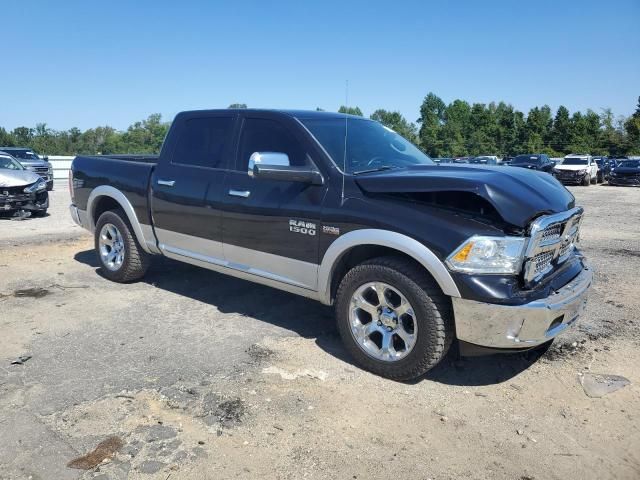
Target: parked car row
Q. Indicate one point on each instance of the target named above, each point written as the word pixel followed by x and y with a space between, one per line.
pixel 574 169
pixel 21 190
pixel 30 160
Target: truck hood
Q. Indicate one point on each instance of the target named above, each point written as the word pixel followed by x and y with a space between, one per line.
pixel 571 168
pixel 519 195
pixel 17 178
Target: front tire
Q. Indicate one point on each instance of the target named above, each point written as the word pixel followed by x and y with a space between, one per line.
pixel 393 318
pixel 586 181
pixel 119 253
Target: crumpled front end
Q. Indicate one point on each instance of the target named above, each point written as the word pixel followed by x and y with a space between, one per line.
pixel 13 199
pixel 551 255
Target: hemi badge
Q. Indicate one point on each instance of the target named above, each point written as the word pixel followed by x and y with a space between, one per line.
pixel 330 230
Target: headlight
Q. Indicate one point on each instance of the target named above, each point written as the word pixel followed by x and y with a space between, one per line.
pixel 36 187
pixel 583 171
pixel 488 255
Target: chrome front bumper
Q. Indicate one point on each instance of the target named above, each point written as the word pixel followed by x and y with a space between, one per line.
pixel 522 326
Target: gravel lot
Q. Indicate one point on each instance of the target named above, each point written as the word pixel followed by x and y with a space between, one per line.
pixel 203 376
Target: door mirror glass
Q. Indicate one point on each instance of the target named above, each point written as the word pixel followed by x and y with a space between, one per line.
pixel 267 159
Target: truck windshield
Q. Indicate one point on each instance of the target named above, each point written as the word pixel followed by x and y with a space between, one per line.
pixel 9 163
pixel 24 154
pixel 369 145
pixel 575 161
pixel 525 159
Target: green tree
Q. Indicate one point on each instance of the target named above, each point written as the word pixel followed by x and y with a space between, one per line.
pixel 452 134
pixel 350 110
pixel 6 139
pixel 432 113
pixel 396 122
pixel 238 105
pixel 22 136
pixel 561 130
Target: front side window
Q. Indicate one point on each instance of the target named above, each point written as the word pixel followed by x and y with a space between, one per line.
pixel 358 145
pixel 202 141
pixel 264 135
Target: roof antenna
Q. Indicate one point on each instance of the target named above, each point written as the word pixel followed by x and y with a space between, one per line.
pixel 344 158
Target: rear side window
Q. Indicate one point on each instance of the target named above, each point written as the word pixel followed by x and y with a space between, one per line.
pixel 263 135
pixel 202 142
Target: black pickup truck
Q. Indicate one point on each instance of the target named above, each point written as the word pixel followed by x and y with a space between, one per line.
pixel 345 211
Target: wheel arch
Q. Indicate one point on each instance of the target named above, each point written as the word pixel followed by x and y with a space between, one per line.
pixel 106 197
pixel 369 243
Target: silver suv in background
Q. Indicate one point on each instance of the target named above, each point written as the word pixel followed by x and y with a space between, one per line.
pixel 577 169
pixel 33 162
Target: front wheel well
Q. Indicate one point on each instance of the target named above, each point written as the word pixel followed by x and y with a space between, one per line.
pixel 361 253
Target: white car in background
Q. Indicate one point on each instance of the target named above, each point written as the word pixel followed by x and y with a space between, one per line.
pixel 577 169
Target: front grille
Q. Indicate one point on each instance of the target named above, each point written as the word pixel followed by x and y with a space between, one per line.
pixel 542 262
pixel 552 242
pixel 41 169
pixel 6 191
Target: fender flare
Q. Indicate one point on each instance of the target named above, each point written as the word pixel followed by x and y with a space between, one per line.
pixel 385 238
pixel 143 233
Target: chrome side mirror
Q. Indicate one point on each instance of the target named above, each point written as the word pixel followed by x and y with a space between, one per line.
pixel 267 159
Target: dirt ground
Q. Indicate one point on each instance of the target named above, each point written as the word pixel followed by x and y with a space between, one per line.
pixel 201 376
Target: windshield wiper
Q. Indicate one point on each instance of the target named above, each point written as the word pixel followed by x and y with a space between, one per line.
pixel 378 169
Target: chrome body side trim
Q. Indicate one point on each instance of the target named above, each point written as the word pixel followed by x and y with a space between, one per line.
pixel 188 245
pixel 522 326
pixel 284 269
pixel 385 238
pixel 145 236
pixel 254 264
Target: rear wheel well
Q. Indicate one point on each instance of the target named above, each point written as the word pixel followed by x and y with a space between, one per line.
pixel 104 204
pixel 361 253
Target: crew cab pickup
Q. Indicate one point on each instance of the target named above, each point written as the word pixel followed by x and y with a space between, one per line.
pixel 345 211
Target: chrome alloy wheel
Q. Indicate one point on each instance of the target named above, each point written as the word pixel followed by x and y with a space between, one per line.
pixel 111 247
pixel 382 322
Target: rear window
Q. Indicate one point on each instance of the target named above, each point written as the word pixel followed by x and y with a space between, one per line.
pixel 202 141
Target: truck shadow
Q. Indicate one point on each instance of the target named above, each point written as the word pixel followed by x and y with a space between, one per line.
pixel 306 318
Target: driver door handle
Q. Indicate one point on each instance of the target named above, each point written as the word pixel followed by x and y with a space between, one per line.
pixel 239 193
pixel 167 183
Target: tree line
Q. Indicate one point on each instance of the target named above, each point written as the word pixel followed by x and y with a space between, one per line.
pixel 456 129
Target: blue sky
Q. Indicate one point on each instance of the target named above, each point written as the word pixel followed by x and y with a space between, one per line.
pixel 89 63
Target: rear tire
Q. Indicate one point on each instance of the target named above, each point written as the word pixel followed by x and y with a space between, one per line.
pixel 120 255
pixel 431 329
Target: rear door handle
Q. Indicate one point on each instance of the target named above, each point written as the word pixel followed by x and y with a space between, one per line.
pixel 239 193
pixel 167 183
